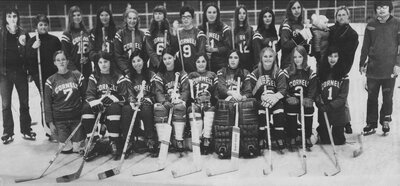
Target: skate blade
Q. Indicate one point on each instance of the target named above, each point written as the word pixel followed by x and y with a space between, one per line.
pixel 369 133
pixel 268 171
pixel 332 174
pixel 109 173
pixel 5 142
pixel 385 134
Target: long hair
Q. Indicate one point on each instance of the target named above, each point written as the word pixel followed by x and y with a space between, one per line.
pixel 145 71
pixel 218 23
pixel 205 57
pixel 292 66
pixel 239 72
pixel 289 14
pixel 237 22
pixel 109 57
pixel 177 65
pixel 71 12
pixel 154 28
pixel 126 13
pixel 9 11
pixel 325 69
pixel 274 68
pixel 261 27
pixel 111 29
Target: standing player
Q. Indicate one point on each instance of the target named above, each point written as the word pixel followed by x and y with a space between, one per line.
pixel 13 57
pixel 126 43
pixel 192 39
pixel 104 90
pixel 167 99
pixel 158 37
pixel 267 83
pixel 265 34
pixel 299 75
pixel 64 92
pixel 381 46
pixel 75 43
pixel 243 34
pixel 139 73
pixel 48 45
pixel 104 25
pixel 219 37
pixel 333 91
pixel 204 85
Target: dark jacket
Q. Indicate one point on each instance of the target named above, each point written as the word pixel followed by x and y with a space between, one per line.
pixel 21 48
pixel 345 39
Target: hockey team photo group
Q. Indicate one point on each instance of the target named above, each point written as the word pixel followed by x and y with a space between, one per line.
pixel 219 95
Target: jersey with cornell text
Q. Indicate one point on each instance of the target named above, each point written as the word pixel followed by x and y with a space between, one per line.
pixel 203 83
pixel 63 96
pixel 274 81
pixel 243 43
pixel 124 47
pixel 227 81
pixel 192 43
pixel 165 84
pixel 73 44
pixel 104 84
pixel 134 84
pixel 302 78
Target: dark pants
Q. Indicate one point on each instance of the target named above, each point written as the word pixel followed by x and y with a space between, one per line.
pixel 145 114
pixel 374 86
pixel 65 128
pixel 337 131
pixel 7 82
pixel 292 113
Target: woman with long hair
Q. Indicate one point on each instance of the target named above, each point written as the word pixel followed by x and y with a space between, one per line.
pixel 243 35
pixel 219 37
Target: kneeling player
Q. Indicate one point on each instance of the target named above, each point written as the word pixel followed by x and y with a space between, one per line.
pixel 299 75
pixel 203 87
pixel 333 91
pixel 168 96
pixel 268 85
pixel 104 90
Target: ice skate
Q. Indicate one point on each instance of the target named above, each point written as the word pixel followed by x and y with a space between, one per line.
pixel 385 128
pixel 308 144
pixel 280 145
pixel 369 129
pixel 222 153
pixel 348 129
pixel 292 147
pixel 252 152
pixel 205 148
pixel 6 138
pixel 29 136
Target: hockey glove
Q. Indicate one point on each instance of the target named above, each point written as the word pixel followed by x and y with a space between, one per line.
pixel 307 102
pixel 168 105
pixel 292 101
pixel 96 105
pixel 109 99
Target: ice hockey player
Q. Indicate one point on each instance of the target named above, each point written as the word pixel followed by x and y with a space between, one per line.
pixel 148 137
pixel 299 74
pixel 166 98
pixel 192 39
pixel 333 89
pixel 64 92
pixel 243 36
pixel 268 75
pixel 204 86
pixel 103 94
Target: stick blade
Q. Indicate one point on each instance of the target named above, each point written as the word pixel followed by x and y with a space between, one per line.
pixel 357 153
pixel 268 171
pixel 71 177
pixel 26 179
pixel 215 172
pixel 109 173
pixel 332 174
pixel 186 171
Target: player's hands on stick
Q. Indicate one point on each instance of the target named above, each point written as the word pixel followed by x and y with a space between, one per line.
pixel 307 102
pixel 292 100
pixel 36 44
pixel 84 60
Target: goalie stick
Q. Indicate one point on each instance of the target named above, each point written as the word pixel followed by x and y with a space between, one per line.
pixel 53 159
pixel 117 170
pixel 163 154
pixel 195 146
pixel 77 174
pixel 235 144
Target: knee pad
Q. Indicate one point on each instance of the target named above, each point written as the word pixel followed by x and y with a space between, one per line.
pixel 179 113
pixel 196 121
pixel 160 113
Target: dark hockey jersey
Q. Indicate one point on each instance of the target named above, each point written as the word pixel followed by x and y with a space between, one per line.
pixel 243 43
pixel 97 87
pixel 63 96
pixel 275 81
pixel 227 80
pixel 134 84
pixel 73 44
pixel 304 78
pixel 123 47
pixel 334 94
pixel 165 83
pixel 155 47
pixel 262 39
pixel 204 83
pixel 193 43
pixel 222 40
pixel 98 42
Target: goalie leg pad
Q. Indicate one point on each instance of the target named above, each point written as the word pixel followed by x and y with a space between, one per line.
pixel 222 126
pixel 208 121
pixel 249 126
pixel 198 122
pixel 179 128
pixel 160 113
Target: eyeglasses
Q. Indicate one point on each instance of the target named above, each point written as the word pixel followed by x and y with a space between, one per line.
pixel 382 7
pixel 186 17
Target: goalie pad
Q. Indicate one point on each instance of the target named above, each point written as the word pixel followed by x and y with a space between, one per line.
pixel 179 113
pixel 248 124
pixel 160 113
pixel 198 123
pixel 208 121
pixel 178 129
pixel 223 122
pixel 163 132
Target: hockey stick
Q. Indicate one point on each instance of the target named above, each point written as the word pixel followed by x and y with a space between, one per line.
pixel 235 144
pixel 195 146
pixel 180 50
pixel 77 174
pixel 81 51
pixel 105 48
pixel 117 170
pixel 54 157
pixel 269 168
pixel 233 34
pixel 163 154
pixel 328 126
pixel 359 151
pixel 303 136
pixel 208 43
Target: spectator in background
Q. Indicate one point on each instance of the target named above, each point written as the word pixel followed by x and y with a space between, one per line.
pixel 380 46
pixel 13 71
pixel 48 45
pixel 345 38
